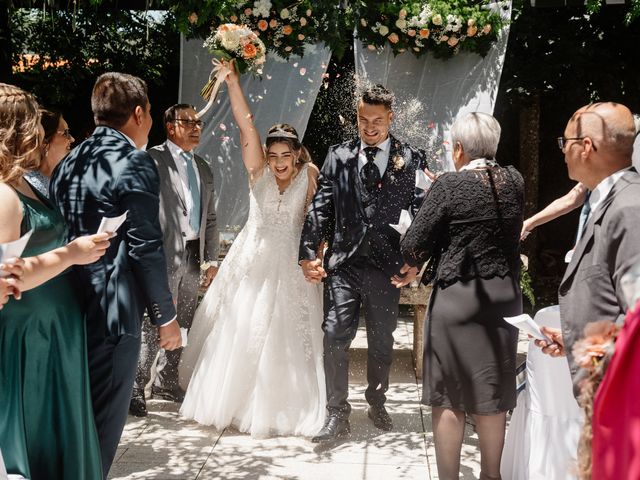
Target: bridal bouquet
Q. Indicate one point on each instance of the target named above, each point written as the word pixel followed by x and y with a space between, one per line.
pixel 231 42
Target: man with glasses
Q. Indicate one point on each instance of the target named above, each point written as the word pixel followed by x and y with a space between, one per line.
pixel 598 145
pixel 188 219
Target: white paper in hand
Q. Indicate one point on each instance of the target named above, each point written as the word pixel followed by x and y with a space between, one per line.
pixel 403 222
pixel 112 224
pixel 423 181
pixel 525 323
pixel 183 335
pixel 11 250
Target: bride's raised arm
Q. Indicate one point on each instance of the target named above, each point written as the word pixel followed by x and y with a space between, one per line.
pixel 252 152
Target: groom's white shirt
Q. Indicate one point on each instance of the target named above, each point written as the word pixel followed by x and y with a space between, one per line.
pixel 382 157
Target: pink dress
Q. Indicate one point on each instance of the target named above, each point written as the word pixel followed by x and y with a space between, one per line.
pixel 616 409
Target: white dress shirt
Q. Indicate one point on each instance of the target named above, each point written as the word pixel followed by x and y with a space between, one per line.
pixel 382 156
pixel 603 189
pixel 181 164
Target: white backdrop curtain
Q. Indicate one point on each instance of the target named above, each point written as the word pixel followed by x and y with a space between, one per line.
pixel 285 94
pixel 431 93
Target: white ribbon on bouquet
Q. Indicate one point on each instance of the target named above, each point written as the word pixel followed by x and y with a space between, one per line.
pixel 216 77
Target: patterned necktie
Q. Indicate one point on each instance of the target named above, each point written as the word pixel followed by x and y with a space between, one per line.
pixel 370 174
pixel 194 191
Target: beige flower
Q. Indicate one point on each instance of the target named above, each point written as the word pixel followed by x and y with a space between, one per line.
pixel 284 13
pixel 363 22
pixel 193 18
pixel 383 30
pixel 402 13
pixel 303 21
pixel 393 38
pixel 437 19
pixel 472 30
pixel 471 22
pixel 300 37
pixel 398 162
pixel 411 32
pixel 487 29
pixel 273 23
pixel 401 23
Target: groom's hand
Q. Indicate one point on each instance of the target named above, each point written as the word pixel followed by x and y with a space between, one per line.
pixel 312 270
pixel 407 275
pixel 169 336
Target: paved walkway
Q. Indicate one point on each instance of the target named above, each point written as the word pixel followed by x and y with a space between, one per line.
pixel 163 446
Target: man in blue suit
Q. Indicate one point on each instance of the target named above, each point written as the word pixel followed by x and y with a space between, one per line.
pixel 105 176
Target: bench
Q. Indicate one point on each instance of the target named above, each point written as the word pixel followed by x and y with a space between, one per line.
pixel 418 298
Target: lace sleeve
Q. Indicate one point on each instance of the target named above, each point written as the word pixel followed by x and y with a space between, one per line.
pixel 429 225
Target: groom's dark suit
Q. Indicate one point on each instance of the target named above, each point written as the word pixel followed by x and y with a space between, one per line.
pixel 106 176
pixel 363 254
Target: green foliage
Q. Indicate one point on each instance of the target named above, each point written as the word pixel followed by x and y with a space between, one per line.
pixel 441 27
pixel 526 285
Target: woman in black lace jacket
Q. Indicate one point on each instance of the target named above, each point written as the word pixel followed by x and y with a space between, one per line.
pixel 471 219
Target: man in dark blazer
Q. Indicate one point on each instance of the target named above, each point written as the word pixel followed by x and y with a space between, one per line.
pixel 363 187
pixel 597 145
pixel 191 242
pixel 107 175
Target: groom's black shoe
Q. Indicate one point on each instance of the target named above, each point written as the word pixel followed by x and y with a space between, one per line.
pixel 173 395
pixel 333 428
pixel 138 405
pixel 380 417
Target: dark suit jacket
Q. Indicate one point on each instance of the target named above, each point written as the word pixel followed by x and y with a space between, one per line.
pixel 106 176
pixel 337 212
pixel 174 218
pixel 590 290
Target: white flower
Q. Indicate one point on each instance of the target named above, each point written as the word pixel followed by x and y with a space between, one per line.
pixel 363 22
pixel 402 14
pixel 262 8
pixel 231 39
pixel 401 23
pixel 284 14
pixel 384 30
pixel 437 19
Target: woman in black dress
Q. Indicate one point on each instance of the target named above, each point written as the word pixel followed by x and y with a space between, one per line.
pixel 471 219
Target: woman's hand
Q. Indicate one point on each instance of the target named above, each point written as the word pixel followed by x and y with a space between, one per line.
pixel 10 285
pixel 88 249
pixel 233 76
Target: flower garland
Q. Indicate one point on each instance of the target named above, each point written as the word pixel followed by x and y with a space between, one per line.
pixel 442 27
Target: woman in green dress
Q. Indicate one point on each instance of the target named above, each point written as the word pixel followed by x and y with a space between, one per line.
pixel 47 430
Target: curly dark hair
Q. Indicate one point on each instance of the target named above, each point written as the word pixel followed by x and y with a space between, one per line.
pixel 378 95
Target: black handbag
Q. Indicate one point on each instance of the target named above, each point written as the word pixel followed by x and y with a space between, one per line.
pixel 430 269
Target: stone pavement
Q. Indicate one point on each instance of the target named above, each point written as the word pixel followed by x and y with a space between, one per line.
pixel 163 446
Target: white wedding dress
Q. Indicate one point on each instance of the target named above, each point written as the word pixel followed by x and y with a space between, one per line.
pixel 254 353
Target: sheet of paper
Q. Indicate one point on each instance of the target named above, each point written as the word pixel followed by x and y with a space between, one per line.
pixel 422 180
pixel 403 222
pixel 525 323
pixel 569 255
pixel 13 249
pixel 183 335
pixel 112 224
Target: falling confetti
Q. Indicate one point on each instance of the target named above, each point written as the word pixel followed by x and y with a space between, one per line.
pixel 431 125
pixel 223 127
pixel 303 71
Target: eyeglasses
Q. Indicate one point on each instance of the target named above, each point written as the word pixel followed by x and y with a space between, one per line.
pixel 191 123
pixel 562 142
pixel 65 133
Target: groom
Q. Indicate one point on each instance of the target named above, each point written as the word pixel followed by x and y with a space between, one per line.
pixel 363 186
pixel 107 175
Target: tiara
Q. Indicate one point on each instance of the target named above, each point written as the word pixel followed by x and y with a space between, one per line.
pixel 281 133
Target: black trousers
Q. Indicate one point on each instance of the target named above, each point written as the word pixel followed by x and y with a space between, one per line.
pixel 112 370
pixel 187 298
pixel 347 288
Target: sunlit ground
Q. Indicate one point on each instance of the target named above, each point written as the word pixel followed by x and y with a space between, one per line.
pixel 163 446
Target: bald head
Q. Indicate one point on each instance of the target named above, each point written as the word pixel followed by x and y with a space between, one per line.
pixel 610 125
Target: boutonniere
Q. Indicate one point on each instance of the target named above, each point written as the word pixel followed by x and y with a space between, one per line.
pixel 398 162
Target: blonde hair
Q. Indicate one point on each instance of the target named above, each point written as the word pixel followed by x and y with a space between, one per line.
pixel 19 133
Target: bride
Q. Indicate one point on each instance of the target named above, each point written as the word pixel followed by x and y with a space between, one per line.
pixel 254 354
